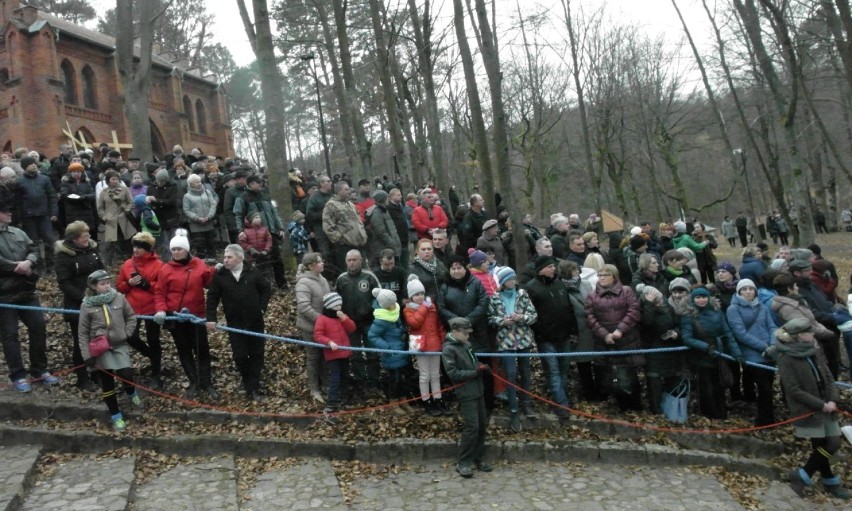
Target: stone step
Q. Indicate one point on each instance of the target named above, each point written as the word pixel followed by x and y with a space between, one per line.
pixel 197 486
pixel 17 469
pixel 309 485
pixel 84 485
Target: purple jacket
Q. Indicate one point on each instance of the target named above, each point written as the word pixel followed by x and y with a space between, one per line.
pixel 608 309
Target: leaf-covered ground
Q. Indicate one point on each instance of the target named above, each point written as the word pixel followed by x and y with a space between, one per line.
pixel 283 379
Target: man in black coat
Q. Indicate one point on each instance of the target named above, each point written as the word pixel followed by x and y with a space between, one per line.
pixel 554 328
pixel 822 309
pixel 397 214
pixel 244 294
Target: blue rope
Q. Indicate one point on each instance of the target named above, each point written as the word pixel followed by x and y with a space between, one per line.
pixel 187 317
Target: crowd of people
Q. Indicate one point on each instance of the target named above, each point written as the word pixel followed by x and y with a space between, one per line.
pixel 422 274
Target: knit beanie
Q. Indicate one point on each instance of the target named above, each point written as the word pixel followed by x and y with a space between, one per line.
pixel 180 240
pixel 699 291
pixel 637 242
pixel 331 300
pixel 380 196
pixel 384 297
pixel 679 282
pixel 163 175
pixel 140 201
pixel 476 257
pixel 415 286
pixel 543 262
pixel 728 267
pixel 777 264
pixel 26 162
pixel 635 231
pixel 745 283
pixel 505 274
pixel 680 226
pixel 652 292
pixel 76 167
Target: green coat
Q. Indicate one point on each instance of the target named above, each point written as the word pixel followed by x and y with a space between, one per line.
pixel 460 365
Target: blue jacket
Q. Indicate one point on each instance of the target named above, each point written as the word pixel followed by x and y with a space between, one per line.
pixel 712 328
pixel 752 269
pixel 36 196
pixel 765 296
pixel 752 326
pixel 388 335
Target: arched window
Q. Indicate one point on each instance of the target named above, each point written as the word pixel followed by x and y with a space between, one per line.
pixel 202 117
pixel 90 91
pixel 187 109
pixel 4 77
pixel 70 82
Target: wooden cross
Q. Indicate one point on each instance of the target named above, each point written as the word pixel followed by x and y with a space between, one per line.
pixel 118 146
pixel 75 142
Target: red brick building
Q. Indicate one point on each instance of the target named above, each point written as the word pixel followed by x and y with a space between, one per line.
pixel 53 71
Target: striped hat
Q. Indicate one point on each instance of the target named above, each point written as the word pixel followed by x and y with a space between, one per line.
pixel 331 300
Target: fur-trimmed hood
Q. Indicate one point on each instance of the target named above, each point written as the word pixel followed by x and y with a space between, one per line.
pixel 68 248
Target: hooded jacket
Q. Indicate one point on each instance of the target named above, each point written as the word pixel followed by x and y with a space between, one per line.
pixel 519 335
pixel 73 265
pixel 752 326
pixel 386 333
pixel 198 204
pixel 806 380
pixel 327 329
pixel 703 328
pixel 460 364
pixel 341 223
pixel 466 298
pixel 382 231
pixel 36 195
pixel 424 321
pixel 140 297
pixel 310 288
pixel 83 207
pixel 182 286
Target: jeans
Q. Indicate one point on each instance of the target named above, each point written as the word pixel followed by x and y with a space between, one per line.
pixel 337 374
pixel 556 372
pixel 193 350
pixel 517 369
pixel 37 330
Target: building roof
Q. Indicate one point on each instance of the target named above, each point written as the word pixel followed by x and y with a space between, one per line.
pixel 63 27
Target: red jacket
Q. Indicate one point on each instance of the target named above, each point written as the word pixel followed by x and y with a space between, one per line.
pixel 328 329
pixel 255 237
pixel 182 285
pixel 141 299
pixel 487 280
pixel 424 321
pixel 363 206
pixel 422 222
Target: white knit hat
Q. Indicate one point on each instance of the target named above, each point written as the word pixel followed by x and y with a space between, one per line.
pixel 180 240
pixel 414 285
pixel 384 297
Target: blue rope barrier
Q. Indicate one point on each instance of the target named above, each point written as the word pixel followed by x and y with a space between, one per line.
pixel 184 316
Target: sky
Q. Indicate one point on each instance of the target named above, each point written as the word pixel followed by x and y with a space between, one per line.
pixel 655 16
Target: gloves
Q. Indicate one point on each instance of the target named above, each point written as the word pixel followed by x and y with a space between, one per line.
pixel 90 362
pixel 253 251
pixel 160 318
pixel 483 368
pixel 711 350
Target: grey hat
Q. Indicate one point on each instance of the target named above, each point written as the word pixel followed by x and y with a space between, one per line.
pixel 797 326
pixel 163 175
pixel 461 325
pixel 488 224
pixel 331 300
pixel 745 283
pixel 380 196
pixel 799 265
pixel 681 283
pixel 97 276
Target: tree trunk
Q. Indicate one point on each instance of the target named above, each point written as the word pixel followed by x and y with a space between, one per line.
pixel 343 109
pixel 423 44
pixel 384 68
pixel 136 78
pixel 597 179
pixel 786 107
pixel 273 108
pixel 361 144
pixel 491 60
pixel 475 104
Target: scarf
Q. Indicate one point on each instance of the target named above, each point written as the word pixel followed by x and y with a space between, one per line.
pixel 386 315
pixel 508 298
pixel 330 313
pixel 676 273
pixel 101 299
pixel 430 266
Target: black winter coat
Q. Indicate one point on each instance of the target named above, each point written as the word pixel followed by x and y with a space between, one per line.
pixel 460 364
pixel 82 208
pixel 244 301
pixel 165 204
pixel 466 298
pixel 556 319
pixel 357 294
pixel 73 265
pixel 398 216
pixel 432 282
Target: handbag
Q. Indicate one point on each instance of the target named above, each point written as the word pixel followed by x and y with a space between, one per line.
pixel 675 403
pixel 414 343
pixel 100 344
